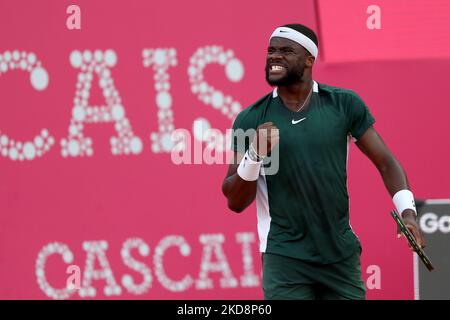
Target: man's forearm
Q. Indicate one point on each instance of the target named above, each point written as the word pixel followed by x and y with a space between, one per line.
pixel 240 193
pixel 394 177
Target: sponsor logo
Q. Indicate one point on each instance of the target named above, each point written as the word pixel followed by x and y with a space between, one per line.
pixel 431 223
pixel 297 121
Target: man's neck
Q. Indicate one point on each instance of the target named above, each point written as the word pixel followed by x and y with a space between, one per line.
pixel 295 95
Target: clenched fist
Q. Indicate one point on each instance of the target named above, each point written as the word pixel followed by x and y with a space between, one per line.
pixel 266 138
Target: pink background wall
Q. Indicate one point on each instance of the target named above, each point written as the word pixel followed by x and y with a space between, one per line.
pixel 112 198
pixel 408 29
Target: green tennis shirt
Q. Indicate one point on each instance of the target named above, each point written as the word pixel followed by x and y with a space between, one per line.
pixel 303 209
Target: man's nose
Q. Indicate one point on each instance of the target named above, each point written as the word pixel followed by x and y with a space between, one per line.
pixel 276 56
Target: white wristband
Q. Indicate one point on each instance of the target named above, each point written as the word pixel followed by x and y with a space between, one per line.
pixel 249 169
pixel 404 199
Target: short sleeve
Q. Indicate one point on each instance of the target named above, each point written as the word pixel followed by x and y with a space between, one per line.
pixel 359 115
pixel 241 136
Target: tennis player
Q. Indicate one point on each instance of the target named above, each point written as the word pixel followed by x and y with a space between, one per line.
pixel 309 249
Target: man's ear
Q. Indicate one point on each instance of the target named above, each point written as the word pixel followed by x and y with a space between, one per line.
pixel 310 61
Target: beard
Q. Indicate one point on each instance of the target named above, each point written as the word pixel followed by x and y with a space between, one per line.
pixel 292 76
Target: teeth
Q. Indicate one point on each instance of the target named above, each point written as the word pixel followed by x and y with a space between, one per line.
pixel 278 68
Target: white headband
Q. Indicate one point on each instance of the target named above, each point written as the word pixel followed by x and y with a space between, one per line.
pixel 300 38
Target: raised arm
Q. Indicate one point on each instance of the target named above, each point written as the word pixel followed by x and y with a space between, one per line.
pixel 239 192
pixel 239 185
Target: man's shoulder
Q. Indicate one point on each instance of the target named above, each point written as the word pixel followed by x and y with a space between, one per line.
pixel 252 115
pixel 336 90
pixel 256 108
pixel 345 95
pixel 260 103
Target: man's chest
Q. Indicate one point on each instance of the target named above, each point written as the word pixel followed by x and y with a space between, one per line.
pixel 322 127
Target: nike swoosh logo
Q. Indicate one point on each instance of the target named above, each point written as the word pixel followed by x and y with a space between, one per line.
pixel 283 31
pixel 297 121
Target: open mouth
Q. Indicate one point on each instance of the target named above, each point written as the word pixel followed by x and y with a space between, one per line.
pixel 276 68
